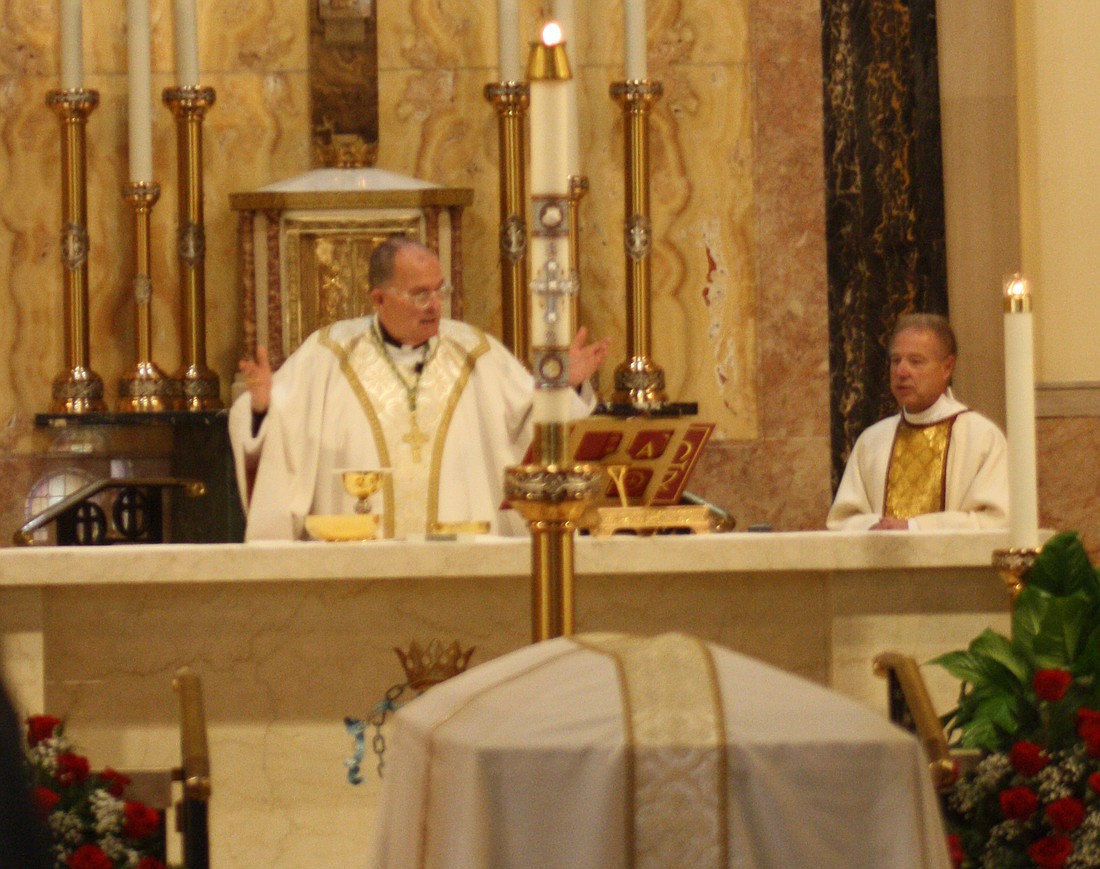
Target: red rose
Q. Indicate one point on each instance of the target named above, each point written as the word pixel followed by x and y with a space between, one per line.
pixel 954 849
pixel 1094 782
pixel 1017 804
pixel 40 727
pixel 1088 728
pixel 139 821
pixel 1066 814
pixel 1051 852
pixel 114 781
pixel 1051 685
pixel 45 800
pixel 90 857
pixel 1027 758
pixel 72 769
pixel 149 863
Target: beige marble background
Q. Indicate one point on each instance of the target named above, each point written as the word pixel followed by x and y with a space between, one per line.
pixel 738 294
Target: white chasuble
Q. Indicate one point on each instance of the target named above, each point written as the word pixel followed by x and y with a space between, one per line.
pixel 336 404
pixel 970 489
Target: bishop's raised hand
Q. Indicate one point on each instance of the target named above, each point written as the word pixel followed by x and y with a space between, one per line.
pixel 257 377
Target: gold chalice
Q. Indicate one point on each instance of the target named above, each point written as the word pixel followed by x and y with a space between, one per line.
pixel 361 485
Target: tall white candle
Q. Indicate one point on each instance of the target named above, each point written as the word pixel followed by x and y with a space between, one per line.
pixel 549 124
pixel 634 37
pixel 141 91
pixel 549 115
pixel 565 15
pixel 1023 501
pixel 508 51
pixel 187 45
pixel 72 45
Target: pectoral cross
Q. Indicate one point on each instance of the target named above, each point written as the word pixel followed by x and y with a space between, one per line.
pixel 415 438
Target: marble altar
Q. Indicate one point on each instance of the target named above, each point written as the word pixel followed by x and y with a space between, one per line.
pixel 291 637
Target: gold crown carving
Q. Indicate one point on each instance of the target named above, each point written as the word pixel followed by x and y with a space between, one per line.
pixel 435 664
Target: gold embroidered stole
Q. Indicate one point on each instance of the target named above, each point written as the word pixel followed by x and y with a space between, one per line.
pixel 410 494
pixel 916 479
pixel 676 749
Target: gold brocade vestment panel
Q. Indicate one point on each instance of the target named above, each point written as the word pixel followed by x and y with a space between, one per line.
pixel 916 482
pixel 411 492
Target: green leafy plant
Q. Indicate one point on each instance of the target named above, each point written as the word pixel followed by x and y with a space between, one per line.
pixel 1031 703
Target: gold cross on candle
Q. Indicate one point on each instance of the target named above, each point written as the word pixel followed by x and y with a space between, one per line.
pixel 415 438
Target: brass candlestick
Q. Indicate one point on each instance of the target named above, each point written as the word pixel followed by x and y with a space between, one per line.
pixel 77 389
pixel 639 381
pixel 200 389
pixel 511 99
pixel 552 498
pixel 144 388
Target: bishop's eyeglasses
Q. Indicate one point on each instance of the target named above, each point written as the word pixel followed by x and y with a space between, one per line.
pixel 423 298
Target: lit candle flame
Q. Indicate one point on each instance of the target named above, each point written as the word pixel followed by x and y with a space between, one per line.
pixel 552 34
pixel 1016 287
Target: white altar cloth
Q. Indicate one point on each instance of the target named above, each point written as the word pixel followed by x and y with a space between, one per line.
pixel 522 762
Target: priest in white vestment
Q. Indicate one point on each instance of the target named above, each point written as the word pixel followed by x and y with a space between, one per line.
pixel 935 465
pixel 442 404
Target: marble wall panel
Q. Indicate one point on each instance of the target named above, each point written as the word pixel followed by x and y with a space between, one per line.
pixel 1068 455
pixel 782 484
pixel 792 314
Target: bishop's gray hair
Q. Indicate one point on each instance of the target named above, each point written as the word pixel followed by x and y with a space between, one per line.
pixel 382 257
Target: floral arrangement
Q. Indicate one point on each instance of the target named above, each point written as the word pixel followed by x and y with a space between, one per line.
pixel 90 823
pixel 1031 704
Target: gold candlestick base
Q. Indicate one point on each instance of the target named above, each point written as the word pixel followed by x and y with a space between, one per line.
pixel 199 388
pixel 640 383
pixel 1014 565
pixel 147 389
pixel 78 390
pixel 552 498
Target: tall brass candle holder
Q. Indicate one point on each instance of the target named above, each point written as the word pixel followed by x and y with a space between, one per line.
pixel 550 494
pixel 200 387
pixel 639 381
pixel 77 389
pixel 144 388
pixel 511 99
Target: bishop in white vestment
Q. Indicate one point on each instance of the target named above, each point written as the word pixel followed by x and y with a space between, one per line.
pixel 935 465
pixel 443 405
